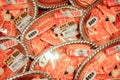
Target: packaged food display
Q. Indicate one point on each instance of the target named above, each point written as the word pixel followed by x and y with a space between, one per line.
pixel 103 64
pixel 52 28
pixel 13 57
pixel 15 15
pixel 59 39
pixel 102 21
pixel 62 61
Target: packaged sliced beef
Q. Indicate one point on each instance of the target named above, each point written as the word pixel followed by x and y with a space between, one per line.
pixel 13 57
pixel 52 28
pixel 101 24
pixel 62 61
pixel 103 64
pixel 15 15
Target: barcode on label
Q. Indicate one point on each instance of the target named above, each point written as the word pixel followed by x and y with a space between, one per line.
pixel 16 61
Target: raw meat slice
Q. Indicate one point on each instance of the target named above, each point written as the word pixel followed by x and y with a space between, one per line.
pixel 62 61
pixel 45 25
pixel 50 38
pixel 10 27
pixel 101 66
pixel 38 45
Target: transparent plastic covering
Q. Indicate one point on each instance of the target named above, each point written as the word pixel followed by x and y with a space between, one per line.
pixel 15 15
pixel 52 28
pixel 62 61
pixel 101 23
pixel 13 57
pixel 103 64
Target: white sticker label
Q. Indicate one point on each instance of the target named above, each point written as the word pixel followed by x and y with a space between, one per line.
pixel 43 60
pixel 8 44
pixel 16 1
pixel 90 76
pixel 91 22
pixel 67 30
pixel 32 34
pixel 16 61
pixel 24 23
pixel 71 31
pixel 81 52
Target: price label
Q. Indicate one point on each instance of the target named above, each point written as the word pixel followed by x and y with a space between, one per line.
pixel 22 21
pixel 8 44
pixel 16 61
pixel 67 30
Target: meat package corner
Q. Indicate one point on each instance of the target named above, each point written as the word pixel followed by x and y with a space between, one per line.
pixel 59 39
